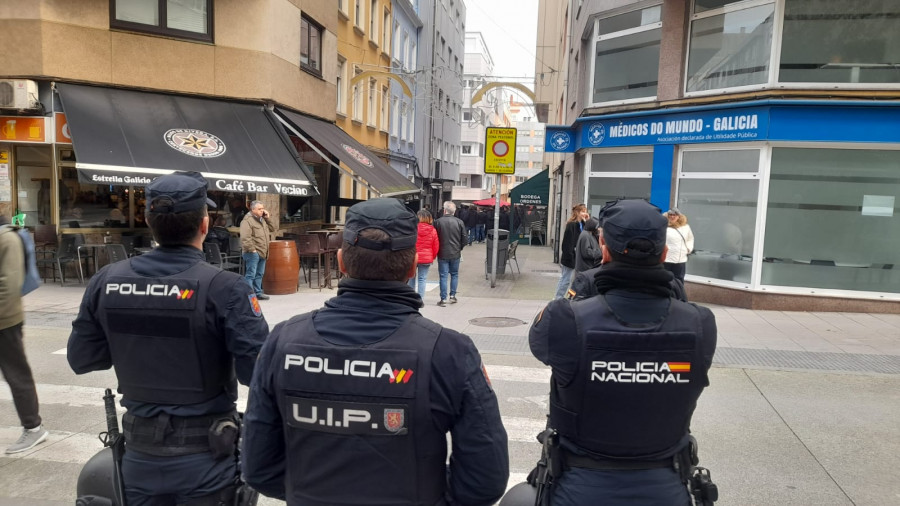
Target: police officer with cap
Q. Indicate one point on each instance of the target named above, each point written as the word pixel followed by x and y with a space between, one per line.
pixel 628 366
pixel 179 332
pixel 351 404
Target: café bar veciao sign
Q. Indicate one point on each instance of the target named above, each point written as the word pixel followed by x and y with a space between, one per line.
pixel 216 182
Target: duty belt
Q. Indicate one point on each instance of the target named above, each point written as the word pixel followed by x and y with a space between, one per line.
pixel 585 462
pixel 168 436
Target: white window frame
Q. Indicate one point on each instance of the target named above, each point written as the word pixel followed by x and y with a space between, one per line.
pixel 359 15
pixel 395 116
pixel 385 105
pixel 341 82
pixel 385 31
pixel 344 8
pixel 373 22
pixel 595 38
pixel 373 98
pixel 357 97
pixel 762 178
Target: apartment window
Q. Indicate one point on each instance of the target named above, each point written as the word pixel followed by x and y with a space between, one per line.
pixel 373 21
pixel 730 46
pixel 412 56
pixel 357 97
pixel 370 120
pixel 443 47
pixel 854 42
pixel 183 19
pixel 467 116
pixel 412 125
pixel 404 131
pixel 343 6
pixel 341 86
pixel 310 45
pixel 626 56
pixel 440 100
pixel 359 16
pixel 396 50
pixel 395 117
pixel 386 33
pixel 467 149
pixel 385 101
pixel 404 50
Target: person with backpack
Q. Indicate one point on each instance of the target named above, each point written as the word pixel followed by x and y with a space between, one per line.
pixel 13 362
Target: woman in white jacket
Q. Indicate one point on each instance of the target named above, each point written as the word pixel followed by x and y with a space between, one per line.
pixel 680 241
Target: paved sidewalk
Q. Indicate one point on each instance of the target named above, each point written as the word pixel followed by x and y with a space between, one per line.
pixel 498 318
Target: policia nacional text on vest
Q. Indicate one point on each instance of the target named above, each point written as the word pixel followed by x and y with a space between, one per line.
pixel 598 413
pixel 164 354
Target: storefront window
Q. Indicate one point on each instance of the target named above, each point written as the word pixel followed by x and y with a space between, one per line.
pixel 626 63
pixel 730 48
pixel 85 205
pixel 618 176
pixel 718 191
pixel 33 188
pixel 832 220
pixel 855 41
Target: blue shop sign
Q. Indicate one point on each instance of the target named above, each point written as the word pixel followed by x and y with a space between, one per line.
pixel 810 121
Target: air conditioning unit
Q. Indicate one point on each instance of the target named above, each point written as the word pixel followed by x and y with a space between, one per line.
pixel 18 94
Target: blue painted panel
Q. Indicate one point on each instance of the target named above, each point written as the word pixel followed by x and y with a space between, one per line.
pixel 661 185
pixel 835 124
pixel 559 140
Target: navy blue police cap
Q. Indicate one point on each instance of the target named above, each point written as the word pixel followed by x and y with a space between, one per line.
pixel 623 221
pixel 177 192
pixel 386 214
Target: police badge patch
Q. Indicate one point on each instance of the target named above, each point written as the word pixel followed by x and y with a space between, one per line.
pixel 393 419
pixel 254 304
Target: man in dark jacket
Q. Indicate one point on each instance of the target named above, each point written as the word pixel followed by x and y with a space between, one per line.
pixel 628 366
pixel 453 238
pixel 351 404
pixel 180 334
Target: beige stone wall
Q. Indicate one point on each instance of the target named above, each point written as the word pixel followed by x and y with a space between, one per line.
pixel 255 56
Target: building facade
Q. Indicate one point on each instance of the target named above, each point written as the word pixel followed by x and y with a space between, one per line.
pixel 478 67
pixel 439 99
pixel 404 64
pixel 782 153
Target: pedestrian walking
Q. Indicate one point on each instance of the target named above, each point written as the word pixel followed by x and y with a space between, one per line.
pixel 587 250
pixel 453 238
pixel 427 247
pixel 13 362
pixel 574 226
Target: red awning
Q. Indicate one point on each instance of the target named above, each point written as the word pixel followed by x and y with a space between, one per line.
pixel 490 202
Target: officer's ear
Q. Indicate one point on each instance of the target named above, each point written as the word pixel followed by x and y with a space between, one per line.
pixel 607 258
pixel 412 268
pixel 204 226
pixel 340 258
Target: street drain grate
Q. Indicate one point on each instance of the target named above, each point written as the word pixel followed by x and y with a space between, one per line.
pixel 496 322
pixel 822 361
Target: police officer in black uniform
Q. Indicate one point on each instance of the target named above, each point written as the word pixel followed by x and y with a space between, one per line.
pixel 351 404
pixel 178 331
pixel 628 366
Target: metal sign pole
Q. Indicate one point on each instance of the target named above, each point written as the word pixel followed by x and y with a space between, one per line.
pixel 496 235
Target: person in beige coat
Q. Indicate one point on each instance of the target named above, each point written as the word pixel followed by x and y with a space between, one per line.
pixel 13 363
pixel 257 231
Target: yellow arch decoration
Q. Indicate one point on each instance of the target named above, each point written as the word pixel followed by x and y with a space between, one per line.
pixel 490 86
pixel 382 73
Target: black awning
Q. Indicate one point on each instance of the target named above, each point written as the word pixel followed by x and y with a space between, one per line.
pixel 378 175
pixel 125 137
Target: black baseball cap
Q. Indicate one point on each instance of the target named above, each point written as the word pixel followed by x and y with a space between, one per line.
pixel 177 192
pixel 386 214
pixel 623 221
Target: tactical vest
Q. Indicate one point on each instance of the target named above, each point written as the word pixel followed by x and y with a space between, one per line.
pixel 635 386
pixel 161 348
pixel 359 428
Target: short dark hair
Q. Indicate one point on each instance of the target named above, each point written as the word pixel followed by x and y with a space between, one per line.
pixel 377 265
pixel 640 245
pixel 175 229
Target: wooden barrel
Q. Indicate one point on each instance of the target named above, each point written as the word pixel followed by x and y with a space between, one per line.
pixel 282 268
